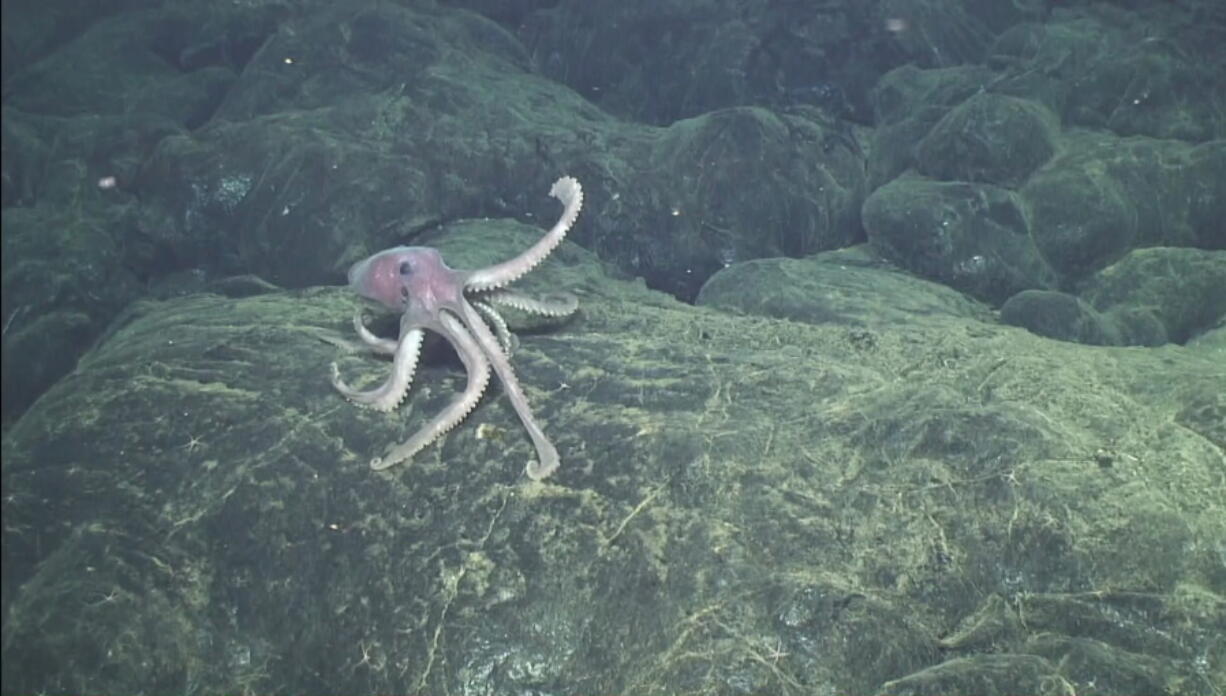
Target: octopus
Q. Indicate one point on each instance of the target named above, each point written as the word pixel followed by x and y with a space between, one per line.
pixel 460 305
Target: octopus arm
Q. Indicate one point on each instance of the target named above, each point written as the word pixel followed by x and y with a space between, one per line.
pixel 384 346
pixel 387 396
pixel 547 455
pixel 559 304
pixel 478 376
pixel 505 337
pixel 570 193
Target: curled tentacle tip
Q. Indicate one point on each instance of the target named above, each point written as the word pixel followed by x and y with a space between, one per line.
pixel 565 187
pixel 538 470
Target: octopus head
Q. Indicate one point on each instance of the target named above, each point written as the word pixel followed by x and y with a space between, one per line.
pixel 405 277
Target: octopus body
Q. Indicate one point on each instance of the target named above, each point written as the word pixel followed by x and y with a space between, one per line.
pixel 459 305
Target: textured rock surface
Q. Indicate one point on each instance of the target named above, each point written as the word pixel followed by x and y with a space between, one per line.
pixel 905 502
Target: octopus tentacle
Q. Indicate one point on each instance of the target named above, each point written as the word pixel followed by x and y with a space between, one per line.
pixel 478 376
pixel 386 346
pixel 558 304
pixel 505 337
pixel 570 193
pixel 547 454
pixel 388 395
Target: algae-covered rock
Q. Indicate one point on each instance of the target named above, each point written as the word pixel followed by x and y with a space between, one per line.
pixel 744 502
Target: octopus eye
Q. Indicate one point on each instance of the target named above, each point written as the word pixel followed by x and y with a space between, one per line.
pixel 405 268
